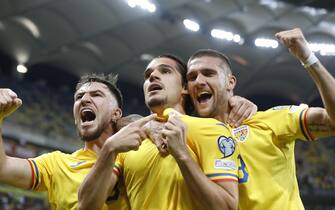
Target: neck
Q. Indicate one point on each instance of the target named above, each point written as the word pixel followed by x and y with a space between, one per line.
pixel 97 144
pixel 160 109
pixel 222 113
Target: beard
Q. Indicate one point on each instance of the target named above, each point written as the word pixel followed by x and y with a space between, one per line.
pixel 152 103
pixel 93 135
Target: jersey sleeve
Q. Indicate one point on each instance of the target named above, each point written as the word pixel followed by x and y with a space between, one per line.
pixel 118 166
pixel 41 170
pixel 216 150
pixel 289 122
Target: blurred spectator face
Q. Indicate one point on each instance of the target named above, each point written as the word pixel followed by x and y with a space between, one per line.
pixel 95 110
pixel 208 85
pixel 163 83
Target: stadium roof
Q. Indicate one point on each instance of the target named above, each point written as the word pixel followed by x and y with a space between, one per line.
pixel 121 36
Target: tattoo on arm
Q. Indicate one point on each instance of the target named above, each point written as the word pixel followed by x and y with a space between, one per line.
pixel 315 127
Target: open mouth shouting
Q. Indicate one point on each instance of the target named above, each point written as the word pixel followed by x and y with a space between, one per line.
pixel 204 97
pixel 87 116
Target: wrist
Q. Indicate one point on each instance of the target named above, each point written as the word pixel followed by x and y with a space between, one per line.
pixel 182 156
pixel 312 59
pixel 109 151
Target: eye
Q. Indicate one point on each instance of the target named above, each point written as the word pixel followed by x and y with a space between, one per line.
pixel 78 96
pixel 147 74
pixel 209 73
pixel 191 77
pixel 165 70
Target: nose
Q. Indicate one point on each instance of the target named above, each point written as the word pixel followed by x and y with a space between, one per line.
pixel 85 99
pixel 155 75
pixel 200 80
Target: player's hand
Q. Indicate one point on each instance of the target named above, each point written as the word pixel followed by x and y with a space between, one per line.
pixel 129 137
pixel 9 102
pixel 174 136
pixel 154 131
pixel 295 42
pixel 241 109
pixel 124 121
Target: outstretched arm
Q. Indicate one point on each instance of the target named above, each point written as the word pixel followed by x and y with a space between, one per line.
pixel 321 122
pixel 13 171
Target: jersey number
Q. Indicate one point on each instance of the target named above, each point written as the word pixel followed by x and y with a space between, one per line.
pixel 243 174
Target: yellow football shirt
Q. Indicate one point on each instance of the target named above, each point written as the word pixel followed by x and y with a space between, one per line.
pixel 267 165
pixel 154 182
pixel 61 175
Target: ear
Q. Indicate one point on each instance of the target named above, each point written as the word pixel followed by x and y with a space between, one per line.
pixel 231 83
pixel 116 114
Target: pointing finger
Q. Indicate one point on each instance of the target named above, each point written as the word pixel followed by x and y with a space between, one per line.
pixel 141 122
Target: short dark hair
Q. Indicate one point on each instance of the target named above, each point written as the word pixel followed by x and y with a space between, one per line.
pixel 181 65
pixel 109 80
pixel 212 53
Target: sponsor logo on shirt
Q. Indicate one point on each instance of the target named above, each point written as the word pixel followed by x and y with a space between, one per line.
pixel 226 146
pixel 224 164
pixel 241 133
pixel 77 164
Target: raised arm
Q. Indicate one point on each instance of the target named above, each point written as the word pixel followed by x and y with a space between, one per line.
pixel 13 171
pixel 321 122
pixel 219 195
pixel 100 182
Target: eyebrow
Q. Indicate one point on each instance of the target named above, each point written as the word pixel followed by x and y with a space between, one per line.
pixel 160 66
pixel 92 91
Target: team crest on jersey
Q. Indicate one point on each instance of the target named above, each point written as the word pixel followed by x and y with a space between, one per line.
pixel 226 146
pixel 241 133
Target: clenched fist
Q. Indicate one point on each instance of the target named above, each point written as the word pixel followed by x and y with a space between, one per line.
pixel 9 102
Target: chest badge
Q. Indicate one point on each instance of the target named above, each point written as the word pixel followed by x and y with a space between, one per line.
pixel 241 133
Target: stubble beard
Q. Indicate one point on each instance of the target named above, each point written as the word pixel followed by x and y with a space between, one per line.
pixel 92 136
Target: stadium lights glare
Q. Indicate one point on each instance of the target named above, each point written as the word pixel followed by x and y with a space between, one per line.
pixel 226 35
pixel 143 4
pixel 323 48
pixel 21 69
pixel 267 43
pixel 191 25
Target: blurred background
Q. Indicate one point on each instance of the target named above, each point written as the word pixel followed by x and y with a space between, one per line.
pixel 46 45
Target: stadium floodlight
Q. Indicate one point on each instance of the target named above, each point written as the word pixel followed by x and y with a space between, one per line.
pixel 267 43
pixel 143 4
pixel 323 48
pixel 191 25
pixel 21 69
pixel 226 35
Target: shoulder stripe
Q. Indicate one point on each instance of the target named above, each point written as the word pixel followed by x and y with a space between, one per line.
pixel 222 175
pixel 32 175
pixel 303 124
pixel 37 174
pixel 306 126
pixel 225 180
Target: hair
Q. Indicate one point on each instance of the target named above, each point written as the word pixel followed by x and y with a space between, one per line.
pixel 109 80
pixel 215 54
pixel 181 65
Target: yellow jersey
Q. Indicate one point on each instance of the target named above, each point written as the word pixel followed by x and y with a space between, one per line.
pixel 61 175
pixel 267 165
pixel 154 182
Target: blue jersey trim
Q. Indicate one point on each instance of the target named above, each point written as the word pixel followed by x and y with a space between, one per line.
pixel 222 174
pixel 37 174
